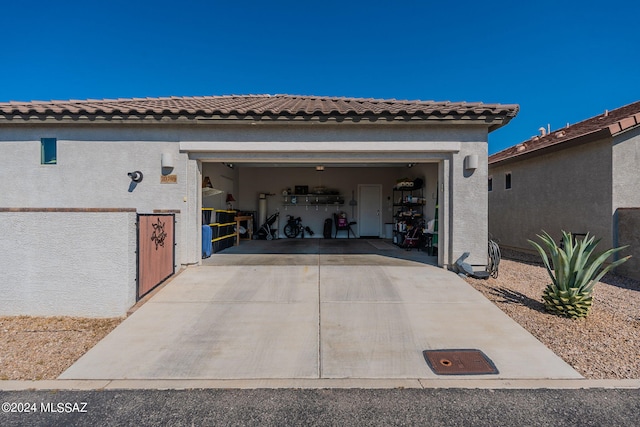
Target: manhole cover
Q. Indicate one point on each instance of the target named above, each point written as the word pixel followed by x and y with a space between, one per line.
pixel 459 362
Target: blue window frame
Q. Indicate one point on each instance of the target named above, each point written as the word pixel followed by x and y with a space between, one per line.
pixel 48 151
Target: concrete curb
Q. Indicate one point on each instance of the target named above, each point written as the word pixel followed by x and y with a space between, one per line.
pixel 343 383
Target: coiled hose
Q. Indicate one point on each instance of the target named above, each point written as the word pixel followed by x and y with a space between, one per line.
pixel 494 259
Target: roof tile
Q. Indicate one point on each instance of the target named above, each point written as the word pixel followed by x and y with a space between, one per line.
pixel 615 121
pixel 615 128
pixel 290 106
pixel 628 122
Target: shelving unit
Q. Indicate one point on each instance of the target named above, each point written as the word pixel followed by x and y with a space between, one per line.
pixel 312 200
pixel 222 223
pixel 408 211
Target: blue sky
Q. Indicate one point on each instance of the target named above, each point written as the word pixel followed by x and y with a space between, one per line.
pixel 561 61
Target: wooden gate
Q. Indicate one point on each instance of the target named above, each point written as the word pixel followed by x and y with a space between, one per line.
pixel 156 250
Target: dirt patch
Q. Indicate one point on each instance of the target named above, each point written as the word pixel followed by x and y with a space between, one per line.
pixel 41 348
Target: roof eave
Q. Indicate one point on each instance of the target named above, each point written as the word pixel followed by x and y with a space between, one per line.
pixel 560 145
pixel 501 121
pixel 490 121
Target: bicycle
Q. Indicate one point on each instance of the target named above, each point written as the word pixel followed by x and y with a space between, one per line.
pixel 294 227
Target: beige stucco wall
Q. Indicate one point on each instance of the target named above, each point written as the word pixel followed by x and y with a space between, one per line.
pixel 93 162
pixel 566 190
pixel 469 205
pixel 626 199
pixel 628 234
pixel 78 263
pixel 91 172
pixel 626 170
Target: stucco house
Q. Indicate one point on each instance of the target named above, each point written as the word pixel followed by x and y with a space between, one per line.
pixel 581 178
pixel 81 181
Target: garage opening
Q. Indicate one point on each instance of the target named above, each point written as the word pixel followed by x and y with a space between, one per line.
pixel 357 208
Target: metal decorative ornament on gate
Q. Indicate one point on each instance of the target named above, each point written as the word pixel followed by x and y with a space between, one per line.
pixel 159 234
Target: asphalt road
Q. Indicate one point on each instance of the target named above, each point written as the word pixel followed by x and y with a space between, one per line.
pixel 311 407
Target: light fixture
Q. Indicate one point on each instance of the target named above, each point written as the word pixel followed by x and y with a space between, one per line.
pixel 410 165
pixel 471 162
pixel 166 161
pixel 229 165
pixel 135 176
pixel 320 168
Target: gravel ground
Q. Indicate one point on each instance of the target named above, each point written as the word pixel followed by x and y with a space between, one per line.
pixel 41 348
pixel 602 346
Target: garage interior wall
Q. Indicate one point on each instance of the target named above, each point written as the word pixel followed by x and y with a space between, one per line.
pixel 247 182
pixel 222 178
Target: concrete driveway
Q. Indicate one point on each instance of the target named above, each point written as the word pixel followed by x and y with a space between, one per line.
pixel 329 314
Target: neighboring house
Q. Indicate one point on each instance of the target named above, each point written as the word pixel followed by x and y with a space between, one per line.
pixel 71 200
pixel 582 178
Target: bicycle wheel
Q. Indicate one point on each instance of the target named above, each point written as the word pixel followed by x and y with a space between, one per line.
pixel 291 230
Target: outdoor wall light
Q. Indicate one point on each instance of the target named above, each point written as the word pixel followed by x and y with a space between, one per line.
pixel 319 168
pixel 167 160
pixel 471 162
pixel 135 176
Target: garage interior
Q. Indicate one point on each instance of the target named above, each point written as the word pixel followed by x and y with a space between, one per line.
pixel 369 196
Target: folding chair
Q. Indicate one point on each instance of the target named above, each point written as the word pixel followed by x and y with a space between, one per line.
pixel 343 224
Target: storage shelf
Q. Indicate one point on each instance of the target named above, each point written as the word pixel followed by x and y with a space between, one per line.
pixel 407 215
pixel 217 239
pixel 218 224
pixel 408 205
pixel 224 223
pixel 314 199
pixel 313 204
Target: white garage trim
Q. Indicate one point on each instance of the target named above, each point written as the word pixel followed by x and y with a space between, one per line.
pixel 325 147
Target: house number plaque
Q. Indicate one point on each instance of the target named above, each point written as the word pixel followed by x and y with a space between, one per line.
pixel 168 179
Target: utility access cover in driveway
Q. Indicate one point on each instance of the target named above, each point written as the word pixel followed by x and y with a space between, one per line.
pixel 459 362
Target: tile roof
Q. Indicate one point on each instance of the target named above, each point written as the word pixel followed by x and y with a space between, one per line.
pixel 256 107
pixel 609 123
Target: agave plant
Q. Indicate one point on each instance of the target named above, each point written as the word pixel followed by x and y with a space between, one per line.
pixel 574 270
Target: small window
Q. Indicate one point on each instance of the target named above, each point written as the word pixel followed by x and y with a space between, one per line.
pixel 507 180
pixel 48 151
pixel 490 183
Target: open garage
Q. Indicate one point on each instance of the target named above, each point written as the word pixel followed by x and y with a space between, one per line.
pixel 103 161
